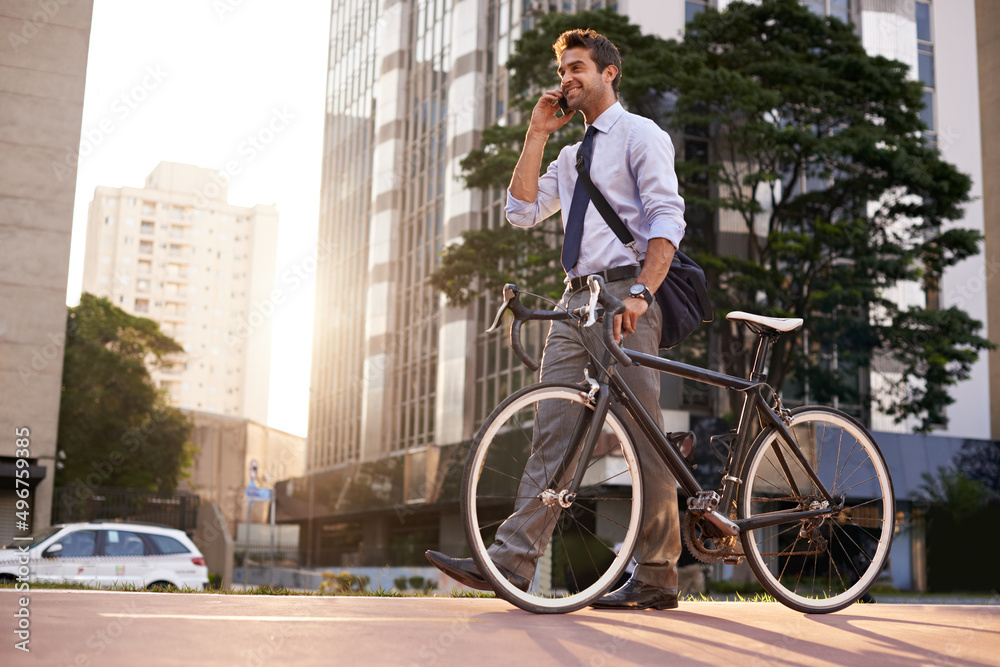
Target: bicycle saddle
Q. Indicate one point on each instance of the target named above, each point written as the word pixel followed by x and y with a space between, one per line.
pixel 780 324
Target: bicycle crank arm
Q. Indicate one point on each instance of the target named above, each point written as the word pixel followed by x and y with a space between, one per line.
pixel 722 523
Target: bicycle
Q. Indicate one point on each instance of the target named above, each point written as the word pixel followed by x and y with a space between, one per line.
pixel 804 494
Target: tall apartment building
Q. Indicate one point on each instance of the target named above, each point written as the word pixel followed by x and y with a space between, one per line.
pixel 177 252
pixel 400 379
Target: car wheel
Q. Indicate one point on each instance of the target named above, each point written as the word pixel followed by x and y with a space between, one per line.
pixel 161 586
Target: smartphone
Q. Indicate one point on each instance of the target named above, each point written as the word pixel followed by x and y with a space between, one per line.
pixel 563 104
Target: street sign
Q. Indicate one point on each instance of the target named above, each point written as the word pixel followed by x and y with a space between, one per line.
pixel 254 492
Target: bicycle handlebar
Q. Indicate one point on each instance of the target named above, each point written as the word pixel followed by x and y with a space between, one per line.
pixel 599 299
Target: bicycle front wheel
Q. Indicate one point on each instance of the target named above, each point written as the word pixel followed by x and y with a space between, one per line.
pixel 570 549
pixel 825 563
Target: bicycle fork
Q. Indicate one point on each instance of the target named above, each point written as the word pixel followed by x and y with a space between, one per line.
pixel 582 442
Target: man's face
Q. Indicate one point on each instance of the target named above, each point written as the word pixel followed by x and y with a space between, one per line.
pixel 582 83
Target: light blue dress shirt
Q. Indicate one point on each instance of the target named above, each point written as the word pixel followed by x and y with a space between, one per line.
pixel 633 166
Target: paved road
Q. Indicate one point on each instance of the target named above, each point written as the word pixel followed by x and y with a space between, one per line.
pixel 105 628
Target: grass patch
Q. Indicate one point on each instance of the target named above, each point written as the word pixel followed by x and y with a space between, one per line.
pixel 469 593
pixel 727 597
pixel 730 588
pixel 76 586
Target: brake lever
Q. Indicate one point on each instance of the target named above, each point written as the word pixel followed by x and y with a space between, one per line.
pixel 594 283
pixel 510 292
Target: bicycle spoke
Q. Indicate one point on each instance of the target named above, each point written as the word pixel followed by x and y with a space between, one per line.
pixel 822 563
pixel 510 457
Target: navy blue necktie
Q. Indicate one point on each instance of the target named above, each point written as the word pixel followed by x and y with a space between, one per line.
pixel 578 207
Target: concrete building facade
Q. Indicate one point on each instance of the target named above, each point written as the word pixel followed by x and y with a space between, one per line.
pixel 225 447
pixel 43 66
pixel 175 251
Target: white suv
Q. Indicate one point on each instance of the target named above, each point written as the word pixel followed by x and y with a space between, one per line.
pixel 104 554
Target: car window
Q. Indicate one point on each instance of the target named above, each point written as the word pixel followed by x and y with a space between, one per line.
pixel 34 538
pixel 78 544
pixel 123 543
pixel 168 545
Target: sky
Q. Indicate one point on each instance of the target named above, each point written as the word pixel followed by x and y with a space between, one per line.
pixel 190 81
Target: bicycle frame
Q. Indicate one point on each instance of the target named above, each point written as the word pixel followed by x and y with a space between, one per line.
pixel 611 384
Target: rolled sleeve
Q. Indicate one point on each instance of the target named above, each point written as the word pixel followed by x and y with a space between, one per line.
pixel 652 160
pixel 528 214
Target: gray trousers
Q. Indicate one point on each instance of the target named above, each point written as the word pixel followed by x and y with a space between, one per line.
pixel 522 538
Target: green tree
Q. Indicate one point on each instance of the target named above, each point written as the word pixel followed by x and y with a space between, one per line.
pixel 952 492
pixel 810 156
pixel 115 427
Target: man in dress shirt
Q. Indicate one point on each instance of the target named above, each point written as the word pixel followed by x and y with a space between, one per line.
pixel 633 167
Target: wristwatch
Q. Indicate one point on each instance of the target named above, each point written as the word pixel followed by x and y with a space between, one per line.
pixel 639 291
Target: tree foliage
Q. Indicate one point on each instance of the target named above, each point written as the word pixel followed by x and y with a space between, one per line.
pixel 115 427
pixel 952 492
pixel 817 158
pixel 812 192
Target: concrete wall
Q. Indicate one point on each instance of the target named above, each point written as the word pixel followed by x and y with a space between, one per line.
pixel 43 65
pixel 988 39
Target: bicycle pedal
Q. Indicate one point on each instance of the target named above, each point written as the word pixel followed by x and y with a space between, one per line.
pixel 732 560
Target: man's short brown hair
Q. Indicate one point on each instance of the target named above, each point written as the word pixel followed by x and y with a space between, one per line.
pixel 602 51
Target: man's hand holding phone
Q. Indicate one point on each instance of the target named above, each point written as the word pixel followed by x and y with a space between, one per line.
pixel 545 118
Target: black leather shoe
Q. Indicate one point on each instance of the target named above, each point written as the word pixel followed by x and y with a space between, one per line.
pixel 465 572
pixel 637 595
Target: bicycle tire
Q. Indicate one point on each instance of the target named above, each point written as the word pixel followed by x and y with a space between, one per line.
pixel 826 564
pixel 591 541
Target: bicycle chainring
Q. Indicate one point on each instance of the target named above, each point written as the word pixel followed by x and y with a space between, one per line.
pixel 706 542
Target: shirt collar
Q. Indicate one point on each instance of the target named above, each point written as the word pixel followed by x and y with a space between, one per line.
pixel 609 117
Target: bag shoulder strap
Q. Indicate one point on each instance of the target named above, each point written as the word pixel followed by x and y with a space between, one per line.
pixel 605 209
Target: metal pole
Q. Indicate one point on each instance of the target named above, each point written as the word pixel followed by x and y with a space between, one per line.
pixel 274 500
pixel 246 541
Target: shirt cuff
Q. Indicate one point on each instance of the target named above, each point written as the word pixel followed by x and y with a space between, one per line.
pixel 667 229
pixel 520 213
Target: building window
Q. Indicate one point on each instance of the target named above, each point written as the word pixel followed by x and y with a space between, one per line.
pixel 142 305
pixel 925 67
pixel 838 9
pixel 692 8
pixel 147 228
pixel 146 247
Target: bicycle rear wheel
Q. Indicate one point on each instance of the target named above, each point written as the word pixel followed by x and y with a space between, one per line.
pixel 823 564
pixel 571 552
